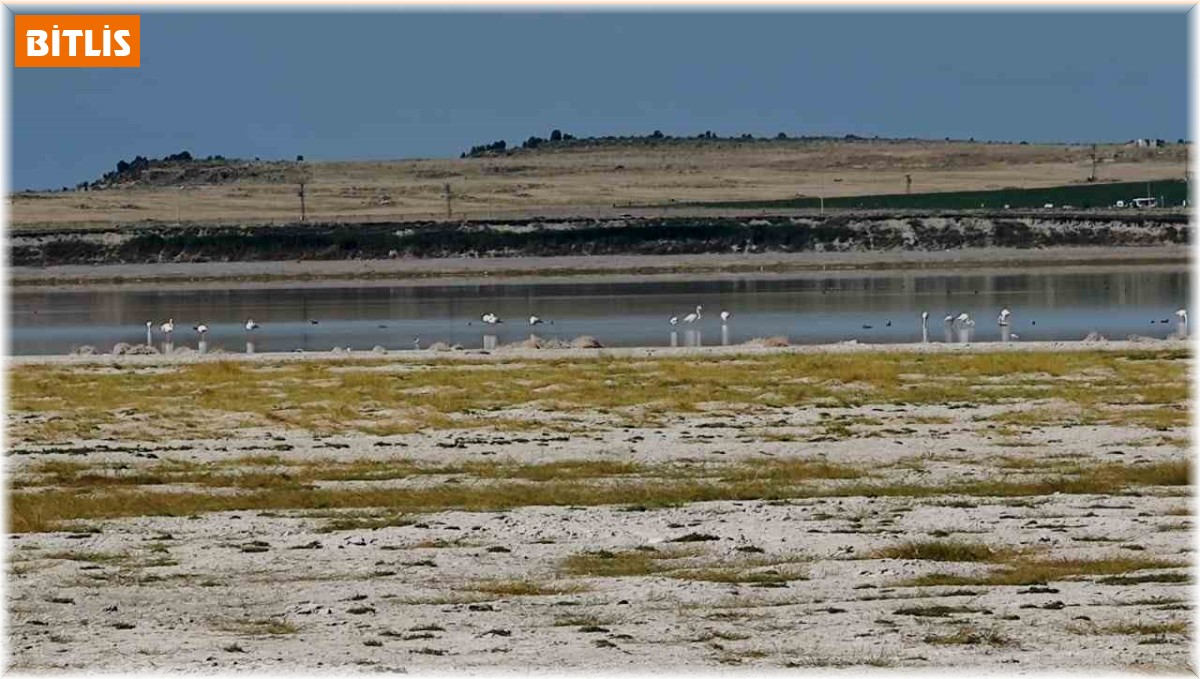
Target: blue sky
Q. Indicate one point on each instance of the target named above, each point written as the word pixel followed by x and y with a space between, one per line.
pixel 406 84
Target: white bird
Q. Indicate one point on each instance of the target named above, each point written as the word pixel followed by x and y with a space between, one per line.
pixel 1183 321
pixel 948 319
pixel 965 319
pixel 725 315
pixel 490 318
pixel 1004 316
pixel 251 325
pixel 168 328
pixel 149 334
pixel 693 317
pixel 534 320
pixel 924 318
pixel 202 329
pixel 674 320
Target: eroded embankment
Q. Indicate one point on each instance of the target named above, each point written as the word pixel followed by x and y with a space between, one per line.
pixel 573 237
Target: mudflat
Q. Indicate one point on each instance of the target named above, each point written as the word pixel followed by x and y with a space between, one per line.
pixel 1017 506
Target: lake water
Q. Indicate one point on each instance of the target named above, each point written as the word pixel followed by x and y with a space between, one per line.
pixel 883 307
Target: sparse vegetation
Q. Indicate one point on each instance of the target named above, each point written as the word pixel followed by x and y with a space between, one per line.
pixel 944 550
pixel 971 636
pixel 1039 571
pixel 479 515
pixel 507 588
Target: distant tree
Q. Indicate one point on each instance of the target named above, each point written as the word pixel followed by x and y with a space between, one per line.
pixel 556 135
pixel 657 134
pixel 299 159
pixel 122 167
pixel 781 135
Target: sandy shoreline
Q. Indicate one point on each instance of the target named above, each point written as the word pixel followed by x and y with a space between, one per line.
pixel 411 271
pixel 930 508
pixel 524 353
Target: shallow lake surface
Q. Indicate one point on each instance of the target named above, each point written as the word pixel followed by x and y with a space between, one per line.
pixel 875 307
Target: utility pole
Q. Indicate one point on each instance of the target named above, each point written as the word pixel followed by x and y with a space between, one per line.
pixel 301 194
pixel 448 212
pixel 821 191
pixel 1093 177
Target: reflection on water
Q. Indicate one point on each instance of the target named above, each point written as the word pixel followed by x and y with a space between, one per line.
pixel 867 307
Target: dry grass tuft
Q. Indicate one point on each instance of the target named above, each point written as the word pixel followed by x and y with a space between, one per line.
pixel 1031 571
pixel 507 588
pixel 947 550
pixel 971 636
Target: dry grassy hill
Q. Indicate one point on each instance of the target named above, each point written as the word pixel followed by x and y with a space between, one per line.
pixel 599 181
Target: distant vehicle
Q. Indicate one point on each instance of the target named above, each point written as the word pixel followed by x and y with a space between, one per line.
pixel 1145 202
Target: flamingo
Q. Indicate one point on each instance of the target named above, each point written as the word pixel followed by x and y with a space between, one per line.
pixel 948 319
pixel 965 319
pixel 149 334
pixel 251 325
pixel 725 315
pixel 1004 316
pixel 674 320
pixel 202 343
pixel 417 343
pixel 693 317
pixel 924 318
pixel 1183 321
pixel 168 328
pixel 534 320
pixel 490 318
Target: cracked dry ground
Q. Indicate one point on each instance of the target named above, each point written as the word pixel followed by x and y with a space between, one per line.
pixel 981 509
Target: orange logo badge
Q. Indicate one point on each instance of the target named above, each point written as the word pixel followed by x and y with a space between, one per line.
pixel 77 40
